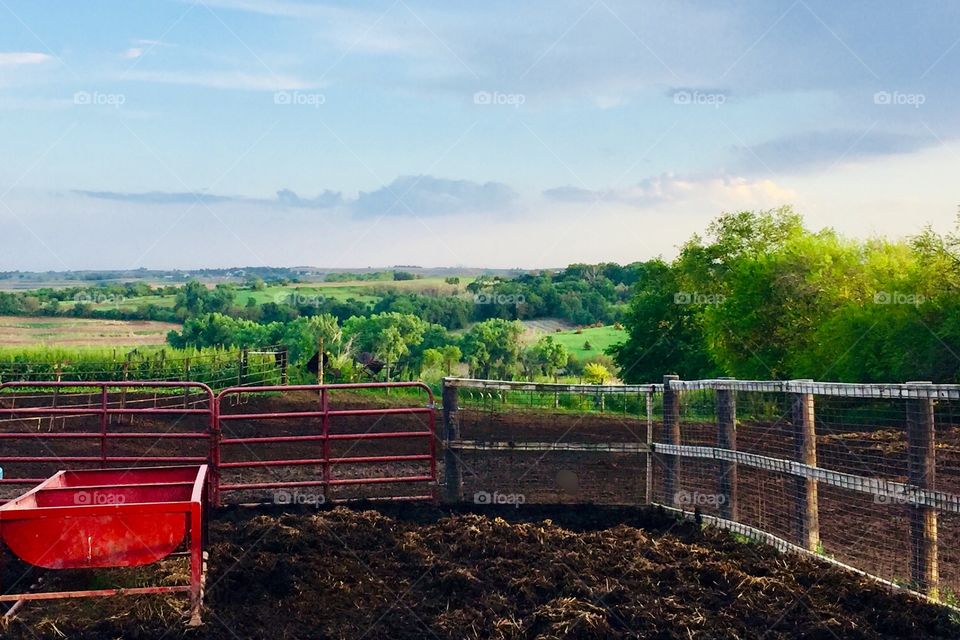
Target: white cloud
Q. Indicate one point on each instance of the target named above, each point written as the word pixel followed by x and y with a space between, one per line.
pixel 15 58
pixel 133 53
pixel 668 188
pixel 238 80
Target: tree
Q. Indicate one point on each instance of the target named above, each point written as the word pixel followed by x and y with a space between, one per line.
pixel 493 348
pixel 451 356
pixel 390 336
pixel 551 355
pixel 595 373
pixel 432 360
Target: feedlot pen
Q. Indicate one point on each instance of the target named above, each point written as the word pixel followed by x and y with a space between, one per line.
pixel 863 475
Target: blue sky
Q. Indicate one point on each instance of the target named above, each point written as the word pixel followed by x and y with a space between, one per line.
pixel 174 133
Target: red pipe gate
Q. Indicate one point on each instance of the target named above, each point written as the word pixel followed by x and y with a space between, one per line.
pixel 234 443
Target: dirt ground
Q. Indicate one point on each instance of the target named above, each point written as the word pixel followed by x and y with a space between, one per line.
pixel 538 572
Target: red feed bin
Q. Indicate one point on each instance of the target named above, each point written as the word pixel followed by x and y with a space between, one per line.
pixel 109 518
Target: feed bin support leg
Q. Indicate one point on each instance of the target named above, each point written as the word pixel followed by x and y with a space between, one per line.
pixel 196 565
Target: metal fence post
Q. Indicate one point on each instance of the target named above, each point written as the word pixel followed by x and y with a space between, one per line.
pixel 805 449
pixel 921 472
pixel 453 475
pixel 727 439
pixel 671 434
pixel 284 377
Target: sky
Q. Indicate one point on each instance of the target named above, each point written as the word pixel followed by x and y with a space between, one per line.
pixel 216 133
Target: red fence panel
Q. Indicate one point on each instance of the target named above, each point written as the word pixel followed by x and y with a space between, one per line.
pixel 49 426
pixel 316 446
pixel 325 437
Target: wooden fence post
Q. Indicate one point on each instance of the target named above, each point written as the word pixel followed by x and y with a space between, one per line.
pixel 805 450
pixel 648 489
pixel 284 377
pixel 727 439
pixel 453 475
pixel 186 378
pixel 671 434
pixel 921 473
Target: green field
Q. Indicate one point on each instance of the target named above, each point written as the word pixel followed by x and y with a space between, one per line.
pixel 599 337
pixel 363 290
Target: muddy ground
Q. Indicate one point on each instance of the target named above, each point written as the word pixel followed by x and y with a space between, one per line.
pixel 535 572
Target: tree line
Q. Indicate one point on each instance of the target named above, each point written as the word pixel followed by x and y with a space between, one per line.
pixel 761 296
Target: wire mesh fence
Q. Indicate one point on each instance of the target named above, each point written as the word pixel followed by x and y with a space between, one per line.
pixel 863 475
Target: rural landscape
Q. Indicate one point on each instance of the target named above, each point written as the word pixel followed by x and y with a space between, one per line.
pixel 424 320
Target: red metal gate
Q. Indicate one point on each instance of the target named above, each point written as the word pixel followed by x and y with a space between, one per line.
pixel 49 426
pixel 308 438
pixel 52 423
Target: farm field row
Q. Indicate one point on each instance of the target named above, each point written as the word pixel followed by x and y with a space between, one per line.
pixel 78 332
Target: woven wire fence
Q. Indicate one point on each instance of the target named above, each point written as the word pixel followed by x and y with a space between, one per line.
pixel 550 443
pixel 864 475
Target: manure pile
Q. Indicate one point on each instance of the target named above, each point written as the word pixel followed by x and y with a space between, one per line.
pixel 419 572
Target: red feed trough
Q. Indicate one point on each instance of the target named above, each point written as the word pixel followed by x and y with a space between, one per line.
pixel 109 518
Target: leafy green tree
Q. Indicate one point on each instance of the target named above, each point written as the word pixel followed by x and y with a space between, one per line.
pixel 390 336
pixel 432 360
pixel 493 348
pixel 595 373
pixel 451 356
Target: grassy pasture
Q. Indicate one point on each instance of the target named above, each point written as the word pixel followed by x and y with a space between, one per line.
pixel 599 337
